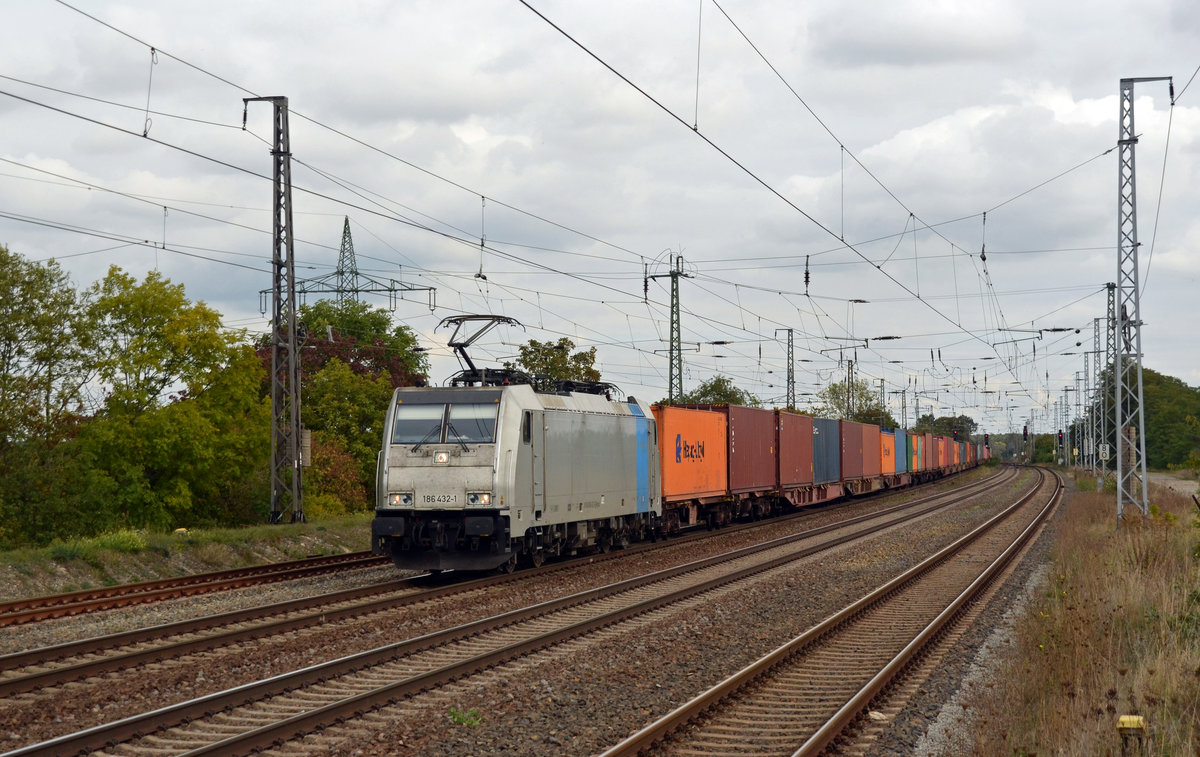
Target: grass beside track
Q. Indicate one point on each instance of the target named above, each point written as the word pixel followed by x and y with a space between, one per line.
pixel 1114 630
pixel 130 556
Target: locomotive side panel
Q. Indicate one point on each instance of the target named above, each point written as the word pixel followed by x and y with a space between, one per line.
pixel 591 467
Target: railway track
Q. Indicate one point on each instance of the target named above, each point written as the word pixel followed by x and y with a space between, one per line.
pixel 259 714
pixel 33 609
pixel 41 668
pixel 18 611
pixel 807 695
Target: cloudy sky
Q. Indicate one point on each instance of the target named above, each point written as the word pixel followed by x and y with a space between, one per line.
pixel 822 167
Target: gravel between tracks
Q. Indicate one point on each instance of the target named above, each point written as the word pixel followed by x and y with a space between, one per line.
pixel 552 708
pixel 583 698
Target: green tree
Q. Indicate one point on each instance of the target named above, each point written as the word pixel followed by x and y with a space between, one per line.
pixel 1171 408
pixel 333 482
pixel 555 360
pixel 945 425
pixel 183 437
pixel 199 460
pixel 363 338
pixel 860 404
pixel 718 390
pixel 42 344
pixel 348 410
pixel 148 338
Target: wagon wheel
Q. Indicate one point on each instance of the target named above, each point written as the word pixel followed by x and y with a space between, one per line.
pixel 604 542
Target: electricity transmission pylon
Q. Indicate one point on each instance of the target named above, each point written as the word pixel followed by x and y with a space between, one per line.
pixel 346 283
pixel 1127 365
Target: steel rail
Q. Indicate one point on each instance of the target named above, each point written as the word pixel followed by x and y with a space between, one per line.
pixel 853 708
pixel 105 735
pixel 683 715
pixel 31 609
pixel 62 674
pixel 17 611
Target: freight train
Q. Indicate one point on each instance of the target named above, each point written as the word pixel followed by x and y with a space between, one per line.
pixel 484 477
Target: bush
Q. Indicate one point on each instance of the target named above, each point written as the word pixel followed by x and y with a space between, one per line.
pixel 128 542
pixel 65 551
pixel 323 507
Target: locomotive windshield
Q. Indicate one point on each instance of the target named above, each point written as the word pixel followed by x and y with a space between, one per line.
pixel 418 423
pixel 455 423
pixel 473 424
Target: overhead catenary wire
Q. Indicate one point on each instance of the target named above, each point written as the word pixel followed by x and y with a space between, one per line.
pixel 551 271
pixel 741 166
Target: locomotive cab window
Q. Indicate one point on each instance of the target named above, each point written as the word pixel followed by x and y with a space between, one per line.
pixel 526 423
pixel 472 423
pixel 418 424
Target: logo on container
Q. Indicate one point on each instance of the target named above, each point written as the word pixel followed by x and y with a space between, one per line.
pixel 683 450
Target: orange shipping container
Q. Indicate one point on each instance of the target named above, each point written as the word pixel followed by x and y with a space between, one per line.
pixel 693 453
pixel 887 452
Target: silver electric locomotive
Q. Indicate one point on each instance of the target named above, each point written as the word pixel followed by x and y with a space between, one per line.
pixel 482 477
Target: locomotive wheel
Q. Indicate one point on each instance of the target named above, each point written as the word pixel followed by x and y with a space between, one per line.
pixel 508 566
pixel 537 559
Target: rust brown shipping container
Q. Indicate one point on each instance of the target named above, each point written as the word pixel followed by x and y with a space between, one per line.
pixel 852 450
pixel 752 451
pixel 872 465
pixel 751 456
pixel 794 447
pixel 692 452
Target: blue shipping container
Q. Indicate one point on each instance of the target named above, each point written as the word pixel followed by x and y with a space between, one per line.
pixel 827 451
pixel 901 451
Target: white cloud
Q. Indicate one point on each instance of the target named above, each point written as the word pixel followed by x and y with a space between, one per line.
pixel 956 108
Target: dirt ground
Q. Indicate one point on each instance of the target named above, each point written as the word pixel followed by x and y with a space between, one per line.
pixel 1182 485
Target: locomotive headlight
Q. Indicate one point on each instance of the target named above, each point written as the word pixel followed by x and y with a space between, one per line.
pixel 479 498
pixel 441 457
pixel 401 499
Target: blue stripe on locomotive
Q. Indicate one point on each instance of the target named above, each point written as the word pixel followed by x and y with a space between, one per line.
pixel 643 458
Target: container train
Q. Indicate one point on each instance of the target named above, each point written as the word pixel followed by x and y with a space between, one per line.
pixel 484 477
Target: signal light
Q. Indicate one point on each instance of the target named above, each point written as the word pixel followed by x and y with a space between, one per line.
pixel 986 437
pixel 1025 434
pixel 1060 436
pixel 955 434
